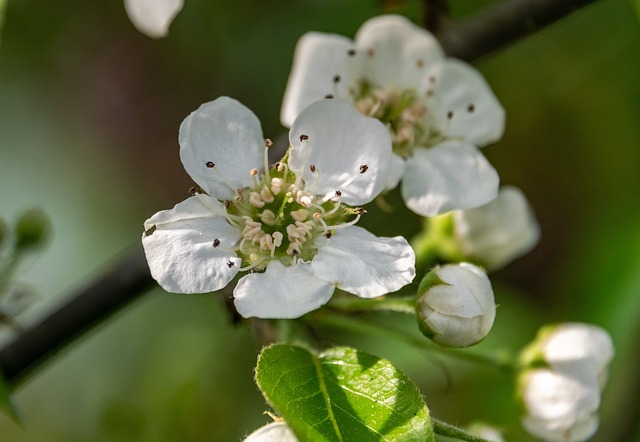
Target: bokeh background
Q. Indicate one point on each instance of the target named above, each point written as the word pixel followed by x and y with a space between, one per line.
pixel 89 116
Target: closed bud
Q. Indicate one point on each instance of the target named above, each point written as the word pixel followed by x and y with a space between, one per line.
pixel 455 306
pixel 499 232
pixel 273 432
pixel 32 230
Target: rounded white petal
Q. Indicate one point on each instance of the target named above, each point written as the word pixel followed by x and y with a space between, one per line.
pixel 558 407
pixel 317 60
pixel 226 136
pixel 153 17
pixel 339 141
pixel 498 232
pixel 178 244
pixel 447 177
pixel 273 432
pixel 361 263
pixel 398 166
pixel 393 52
pixel 583 351
pixel 477 115
pixel 281 292
pixel 458 309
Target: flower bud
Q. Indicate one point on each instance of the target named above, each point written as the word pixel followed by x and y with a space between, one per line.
pixel 455 305
pixel 582 351
pixel 273 432
pixel 486 431
pixel 32 230
pixel 499 232
pixel 558 407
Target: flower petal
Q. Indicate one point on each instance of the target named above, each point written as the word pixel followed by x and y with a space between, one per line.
pixel 281 292
pixel 317 60
pixel 179 247
pixel 220 143
pixel 447 177
pixel 338 140
pixel 395 52
pixel 273 432
pixel 361 263
pixel 398 166
pixel 476 115
pixel 153 17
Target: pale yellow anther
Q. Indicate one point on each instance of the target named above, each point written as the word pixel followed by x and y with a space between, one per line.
pixel 293 249
pixel 266 195
pixel 266 242
pixel 300 215
pixel 268 217
pixel 293 233
pixel 256 200
pixel 252 230
pixel 277 238
pixel 276 185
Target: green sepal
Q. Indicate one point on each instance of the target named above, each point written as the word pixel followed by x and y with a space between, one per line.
pixel 342 394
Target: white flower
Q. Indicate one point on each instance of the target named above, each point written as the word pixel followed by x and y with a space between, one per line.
pixel 486 431
pixel 273 432
pixel 455 306
pixel 558 407
pixel 292 224
pixel 498 232
pixel 437 110
pixel 153 17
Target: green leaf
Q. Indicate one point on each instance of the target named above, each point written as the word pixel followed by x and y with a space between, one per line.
pixel 342 394
pixel 6 405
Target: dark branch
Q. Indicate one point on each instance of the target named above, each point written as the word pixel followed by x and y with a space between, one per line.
pixel 499 26
pixel 83 309
pixel 470 40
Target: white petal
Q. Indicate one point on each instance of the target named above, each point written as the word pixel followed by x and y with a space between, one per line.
pixel 468 293
pixel 478 117
pixel 281 292
pixel 364 264
pixel 153 17
pixel 317 59
pixel 273 432
pixel 498 232
pixel 398 166
pixel 179 247
pixel 395 52
pixel 226 134
pixel 446 177
pixel 339 141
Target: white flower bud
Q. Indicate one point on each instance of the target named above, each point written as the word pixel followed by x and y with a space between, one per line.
pixel 582 351
pixel 486 431
pixel 273 432
pixel 558 408
pixel 455 305
pixel 499 232
pixel 153 17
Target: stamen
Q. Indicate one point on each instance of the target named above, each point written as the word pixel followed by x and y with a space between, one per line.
pixel 267 144
pixel 268 217
pixel 255 200
pixel 253 173
pixel 277 184
pixel 266 195
pixel 251 266
pixel 312 168
pixel 304 137
pixel 342 226
pixel 300 215
pixel 210 164
pixel 351 52
pixel 471 108
pixel 364 168
pixel 216 242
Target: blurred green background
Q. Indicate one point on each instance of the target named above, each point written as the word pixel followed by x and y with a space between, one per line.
pixel 89 116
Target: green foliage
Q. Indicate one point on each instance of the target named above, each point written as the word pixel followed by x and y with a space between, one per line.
pixel 342 394
pixel 6 405
pixel 32 229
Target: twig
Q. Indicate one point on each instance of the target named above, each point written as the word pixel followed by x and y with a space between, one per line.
pixel 470 40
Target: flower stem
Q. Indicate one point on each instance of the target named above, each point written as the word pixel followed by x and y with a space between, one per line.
pixel 451 431
pixel 500 363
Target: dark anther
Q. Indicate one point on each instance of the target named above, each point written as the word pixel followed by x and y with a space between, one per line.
pixel 268 142
pixel 338 193
pixel 304 137
pixel 328 97
pixel 312 168
pixel 150 230
pixel 430 93
pixel 230 264
pixel 210 164
pixel 328 235
pixel 471 108
pixel 195 189
pixel 216 242
pixel 336 79
pixel 371 52
pixel 360 211
pixel 364 168
pixel 278 166
pixel 450 115
pixel 295 252
pixel 420 62
pixel 227 203
pixel 351 52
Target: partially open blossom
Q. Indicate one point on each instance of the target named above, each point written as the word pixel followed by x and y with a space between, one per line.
pixel 455 305
pixel 498 232
pixel 291 226
pixel 437 110
pixel 558 407
pixel 563 372
pixel 153 17
pixel 273 432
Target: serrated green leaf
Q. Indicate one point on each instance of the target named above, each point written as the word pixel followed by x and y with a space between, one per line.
pixel 343 395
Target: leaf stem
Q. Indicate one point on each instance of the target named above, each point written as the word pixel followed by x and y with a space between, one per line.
pixel 448 430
